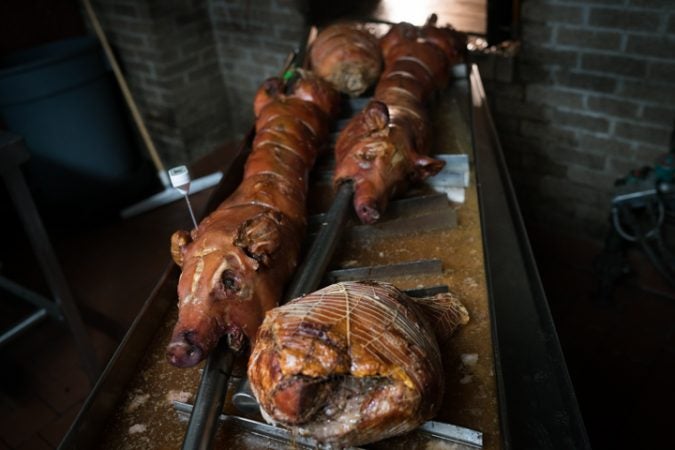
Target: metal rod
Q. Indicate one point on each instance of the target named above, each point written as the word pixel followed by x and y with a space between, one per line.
pixel 439 430
pixel 419 267
pixel 210 399
pixel 192 214
pixel 309 274
pixel 273 432
pixel 34 298
pixel 22 326
pixel 453 433
pixel 46 256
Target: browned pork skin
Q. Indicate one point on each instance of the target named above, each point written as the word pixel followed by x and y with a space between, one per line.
pixel 348 56
pixel 236 263
pixel 378 153
pixel 352 363
pixel 384 147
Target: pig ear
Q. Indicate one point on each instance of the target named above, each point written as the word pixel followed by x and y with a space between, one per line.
pixel 426 166
pixel 376 116
pixel 179 240
pixel 260 237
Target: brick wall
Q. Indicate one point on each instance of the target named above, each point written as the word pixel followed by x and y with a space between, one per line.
pixel 168 54
pixel 253 41
pixel 590 96
pixel 194 65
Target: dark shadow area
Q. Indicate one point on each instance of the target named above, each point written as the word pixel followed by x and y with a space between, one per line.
pixel 619 354
pixel 321 13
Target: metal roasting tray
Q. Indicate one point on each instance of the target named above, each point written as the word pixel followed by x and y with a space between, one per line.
pixel 536 405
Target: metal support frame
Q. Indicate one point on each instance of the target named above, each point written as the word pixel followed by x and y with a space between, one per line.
pixel 13 153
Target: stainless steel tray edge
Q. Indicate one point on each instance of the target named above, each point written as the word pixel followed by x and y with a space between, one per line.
pixel 536 396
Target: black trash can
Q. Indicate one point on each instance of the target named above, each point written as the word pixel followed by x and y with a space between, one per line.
pixel 63 99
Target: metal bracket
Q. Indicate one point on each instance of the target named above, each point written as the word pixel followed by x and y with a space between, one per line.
pixel 445 431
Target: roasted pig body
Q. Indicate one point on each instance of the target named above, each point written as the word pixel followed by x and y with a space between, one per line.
pixel 383 147
pixel 352 363
pixel 236 263
pixel 348 56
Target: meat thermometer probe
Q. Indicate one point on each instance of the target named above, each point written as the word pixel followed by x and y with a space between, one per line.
pixel 180 180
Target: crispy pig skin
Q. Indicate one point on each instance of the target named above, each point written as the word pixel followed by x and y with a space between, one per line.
pixel 350 364
pixel 236 263
pixel 449 40
pixel 348 56
pixel 313 89
pixel 381 162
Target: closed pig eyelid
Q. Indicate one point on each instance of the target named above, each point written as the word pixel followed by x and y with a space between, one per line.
pixel 217 275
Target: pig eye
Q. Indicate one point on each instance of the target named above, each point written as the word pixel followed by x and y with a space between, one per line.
pixel 230 283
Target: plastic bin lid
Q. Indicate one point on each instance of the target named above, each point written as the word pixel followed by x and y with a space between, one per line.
pixel 48 69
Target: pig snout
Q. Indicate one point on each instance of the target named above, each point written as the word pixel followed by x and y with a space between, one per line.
pixel 182 351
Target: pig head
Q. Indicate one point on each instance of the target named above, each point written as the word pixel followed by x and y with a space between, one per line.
pixel 233 271
pixel 379 155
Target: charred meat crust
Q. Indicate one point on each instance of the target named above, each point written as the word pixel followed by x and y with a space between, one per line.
pixel 348 56
pixel 350 363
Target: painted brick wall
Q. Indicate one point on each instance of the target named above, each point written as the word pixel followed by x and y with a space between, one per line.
pixel 590 96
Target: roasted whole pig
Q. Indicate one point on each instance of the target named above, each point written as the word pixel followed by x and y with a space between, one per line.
pixel 352 363
pixel 383 147
pixel 347 55
pixel 236 263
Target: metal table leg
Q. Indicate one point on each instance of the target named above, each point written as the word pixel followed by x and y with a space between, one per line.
pixel 12 154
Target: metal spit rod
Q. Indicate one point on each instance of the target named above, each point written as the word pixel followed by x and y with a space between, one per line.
pixel 465 437
pixel 210 398
pixel 212 388
pixel 310 273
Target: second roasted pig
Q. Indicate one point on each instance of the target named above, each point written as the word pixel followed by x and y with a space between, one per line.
pixel 383 148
